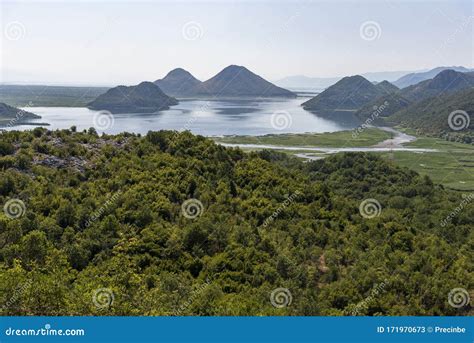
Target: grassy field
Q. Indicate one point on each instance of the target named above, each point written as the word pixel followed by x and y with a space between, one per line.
pixel 453 169
pixel 48 96
pixel 452 165
pixel 331 140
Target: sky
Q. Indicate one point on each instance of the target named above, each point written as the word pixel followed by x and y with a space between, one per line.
pixel 126 42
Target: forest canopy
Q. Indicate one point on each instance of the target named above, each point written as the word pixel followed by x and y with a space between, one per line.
pixel 173 224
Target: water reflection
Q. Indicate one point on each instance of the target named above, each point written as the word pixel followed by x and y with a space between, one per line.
pixel 205 117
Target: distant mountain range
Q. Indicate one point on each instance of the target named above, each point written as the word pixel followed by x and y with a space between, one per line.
pixel 446 82
pixel 319 83
pixel 232 81
pixel 143 98
pixel 10 113
pixel 401 79
pixel 350 93
pixel 302 82
pixel 414 78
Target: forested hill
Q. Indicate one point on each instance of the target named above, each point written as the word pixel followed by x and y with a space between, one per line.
pixel 173 224
pixel 449 114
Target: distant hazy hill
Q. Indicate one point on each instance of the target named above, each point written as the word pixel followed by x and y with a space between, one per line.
pixel 414 78
pixel 350 93
pixel 143 98
pixel 431 115
pixel 446 82
pixel 235 81
pixel 49 96
pixel 178 82
pixel 9 113
pixel 305 82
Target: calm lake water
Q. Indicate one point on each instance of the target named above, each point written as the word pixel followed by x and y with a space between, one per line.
pixel 209 118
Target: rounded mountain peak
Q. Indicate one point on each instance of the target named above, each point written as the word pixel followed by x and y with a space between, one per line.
pixel 178 72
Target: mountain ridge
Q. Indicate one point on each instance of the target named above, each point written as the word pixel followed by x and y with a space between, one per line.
pixel 416 77
pixel 350 93
pixel 232 81
pixel 446 82
pixel 237 81
pixel 178 82
pixel 146 97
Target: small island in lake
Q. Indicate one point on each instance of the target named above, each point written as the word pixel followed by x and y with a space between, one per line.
pixel 143 98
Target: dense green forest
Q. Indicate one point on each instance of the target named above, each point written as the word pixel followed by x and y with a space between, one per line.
pixel 174 224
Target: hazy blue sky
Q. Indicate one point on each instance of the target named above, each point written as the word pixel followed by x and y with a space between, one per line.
pixel 124 42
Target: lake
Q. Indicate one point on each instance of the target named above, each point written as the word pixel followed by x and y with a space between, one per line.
pixel 205 117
